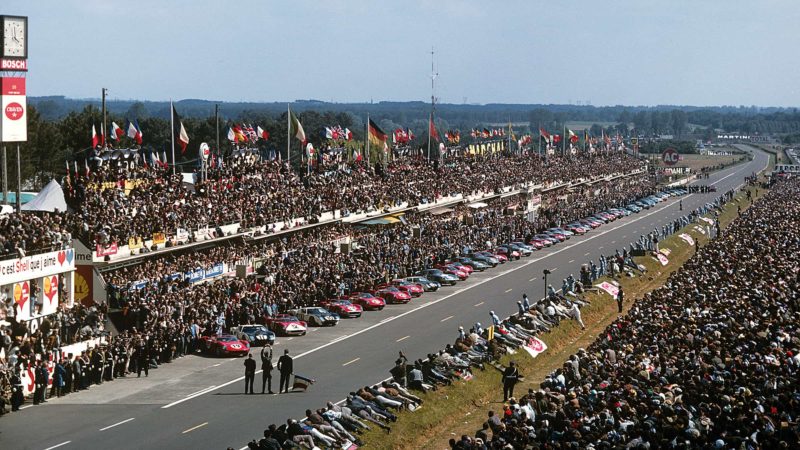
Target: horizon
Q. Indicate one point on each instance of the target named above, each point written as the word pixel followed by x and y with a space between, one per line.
pixel 577 53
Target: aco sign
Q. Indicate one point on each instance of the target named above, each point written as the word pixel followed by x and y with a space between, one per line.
pixel 670 156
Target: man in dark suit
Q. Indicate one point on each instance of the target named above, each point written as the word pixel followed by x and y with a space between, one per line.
pixel 510 378
pixel 266 368
pixel 249 373
pixel 285 367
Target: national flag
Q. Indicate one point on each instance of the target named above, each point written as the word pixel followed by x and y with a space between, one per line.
pixel 432 129
pixel 164 160
pixel 573 138
pixel 486 133
pixel 102 136
pixel 231 134
pixel 586 136
pixel 606 139
pixel 134 132
pixel 296 128
pixel 86 166
pixel 180 131
pixel 348 135
pixel 251 133
pixel 239 134
pixel 262 133
pixel 410 134
pixel 328 133
pixel 376 135
pixel 356 155
pixel 556 138
pixel 544 135
pixel 116 131
pixel 95 137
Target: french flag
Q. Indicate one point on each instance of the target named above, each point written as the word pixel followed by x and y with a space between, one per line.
pixel 116 131
pixel 134 132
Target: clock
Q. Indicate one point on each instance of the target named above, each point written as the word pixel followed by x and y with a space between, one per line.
pixel 15 37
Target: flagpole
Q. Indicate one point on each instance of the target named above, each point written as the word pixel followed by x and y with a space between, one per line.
pixel 564 141
pixel 288 134
pixel 366 138
pixel 172 129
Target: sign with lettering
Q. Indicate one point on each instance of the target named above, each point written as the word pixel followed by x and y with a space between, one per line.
pixel 14 120
pixel 36 266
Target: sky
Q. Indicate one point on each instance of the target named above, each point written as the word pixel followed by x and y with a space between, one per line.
pixel 613 52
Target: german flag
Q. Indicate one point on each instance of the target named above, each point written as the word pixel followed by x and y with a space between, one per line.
pixel 376 136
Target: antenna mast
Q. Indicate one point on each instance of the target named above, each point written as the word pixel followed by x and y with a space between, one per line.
pixel 434 75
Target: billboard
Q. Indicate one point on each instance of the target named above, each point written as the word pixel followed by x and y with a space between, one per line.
pixel 14 119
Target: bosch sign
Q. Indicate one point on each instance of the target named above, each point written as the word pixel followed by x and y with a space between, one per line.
pixel 670 156
pixel 14 64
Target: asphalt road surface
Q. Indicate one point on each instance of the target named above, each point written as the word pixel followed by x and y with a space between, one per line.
pixel 198 402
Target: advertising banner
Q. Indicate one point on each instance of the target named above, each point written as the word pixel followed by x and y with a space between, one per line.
pixel 36 266
pixel 686 238
pixel 106 250
pixel 159 238
pixel 22 297
pixel 49 295
pixel 14 120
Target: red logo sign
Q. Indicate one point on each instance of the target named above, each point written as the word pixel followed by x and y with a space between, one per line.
pixel 670 156
pixel 14 111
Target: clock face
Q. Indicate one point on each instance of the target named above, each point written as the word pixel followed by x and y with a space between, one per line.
pixel 14 36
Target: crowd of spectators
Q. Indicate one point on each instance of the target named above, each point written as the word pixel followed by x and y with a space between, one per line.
pixel 709 360
pixel 25 233
pixel 113 204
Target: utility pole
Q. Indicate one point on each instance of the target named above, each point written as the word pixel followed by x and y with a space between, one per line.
pixel 5 177
pixel 19 183
pixel 433 106
pixel 216 120
pixel 104 128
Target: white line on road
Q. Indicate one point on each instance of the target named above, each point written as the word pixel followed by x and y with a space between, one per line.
pixel 59 445
pixel 201 391
pixel 479 304
pixel 403 338
pixel 446 318
pixel 600 248
pixel 532 279
pixel 217 364
pixel 117 424
pixel 350 362
pixel 509 290
pixel 194 428
pixel 570 261
pixel 587 253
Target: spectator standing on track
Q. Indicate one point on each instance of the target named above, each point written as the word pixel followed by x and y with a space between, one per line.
pixel 285 367
pixel 249 373
pixel 620 299
pixel 266 368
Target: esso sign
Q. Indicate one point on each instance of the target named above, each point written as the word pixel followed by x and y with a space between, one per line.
pixel 14 111
pixel 670 157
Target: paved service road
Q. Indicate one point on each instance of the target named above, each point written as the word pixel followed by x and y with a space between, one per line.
pixel 203 406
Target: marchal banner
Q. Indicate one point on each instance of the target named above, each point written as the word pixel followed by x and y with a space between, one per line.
pixel 14 120
pixel 36 266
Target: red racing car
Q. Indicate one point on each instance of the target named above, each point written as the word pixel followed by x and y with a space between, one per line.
pixel 224 345
pixel 393 295
pixel 367 301
pixel 343 308
pixel 287 325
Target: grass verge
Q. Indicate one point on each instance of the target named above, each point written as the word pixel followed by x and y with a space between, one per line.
pixel 461 408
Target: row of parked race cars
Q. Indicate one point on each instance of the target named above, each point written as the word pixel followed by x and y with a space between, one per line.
pixel 400 291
